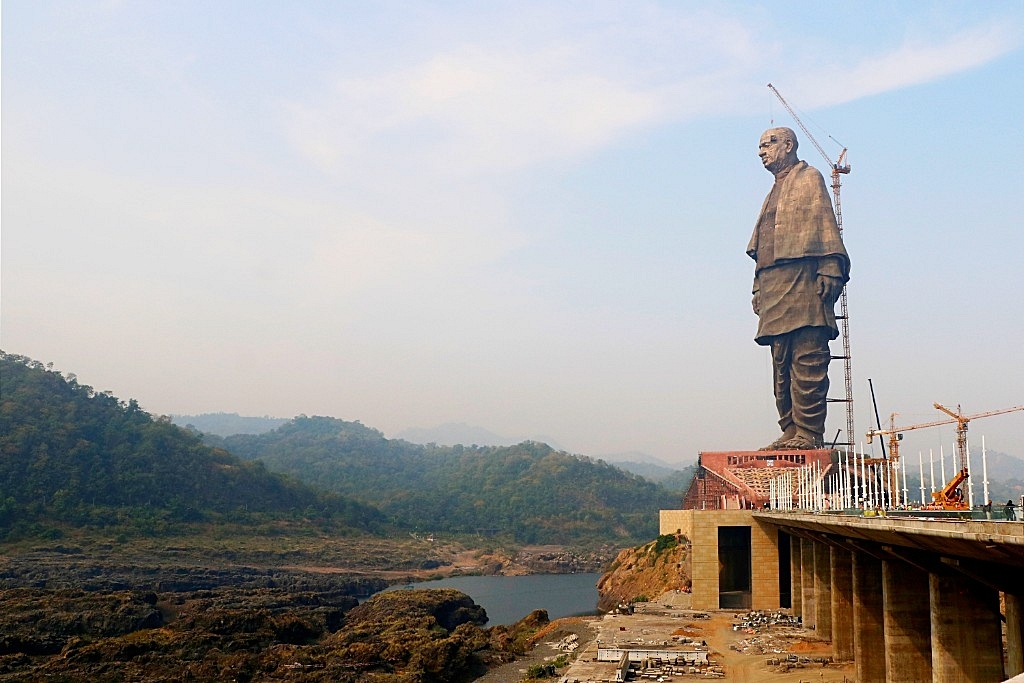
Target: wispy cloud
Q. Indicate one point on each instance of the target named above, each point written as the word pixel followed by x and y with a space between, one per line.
pixel 473 110
pixel 480 108
pixel 914 62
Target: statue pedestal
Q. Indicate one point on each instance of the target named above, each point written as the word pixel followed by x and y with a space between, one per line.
pixel 741 479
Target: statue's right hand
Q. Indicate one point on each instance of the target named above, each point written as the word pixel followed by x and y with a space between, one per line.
pixel 756 303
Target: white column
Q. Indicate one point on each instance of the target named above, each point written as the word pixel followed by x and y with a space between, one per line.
pixel 942 463
pixel 906 500
pixel 894 484
pixel 970 479
pixel 931 466
pixel 870 487
pixel 984 468
pixel 883 484
pixel 863 481
pixel 920 464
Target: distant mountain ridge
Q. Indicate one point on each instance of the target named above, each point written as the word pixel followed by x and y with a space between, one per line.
pixel 529 490
pixel 82 457
pixel 227 424
pixel 460 433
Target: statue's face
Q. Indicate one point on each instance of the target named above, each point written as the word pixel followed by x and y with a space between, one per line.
pixel 774 151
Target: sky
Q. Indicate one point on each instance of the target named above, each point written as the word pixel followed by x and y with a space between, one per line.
pixel 529 217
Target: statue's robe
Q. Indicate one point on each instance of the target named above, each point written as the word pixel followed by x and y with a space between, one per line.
pixel 796 239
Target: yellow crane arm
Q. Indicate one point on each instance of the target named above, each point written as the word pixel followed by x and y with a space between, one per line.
pixel 967 418
pixel 955 418
pixel 896 430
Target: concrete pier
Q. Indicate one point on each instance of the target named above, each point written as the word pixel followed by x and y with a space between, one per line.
pixel 823 591
pixel 908 644
pixel 841 562
pixel 807 582
pixel 868 620
pixel 1014 634
pixel 795 576
pixel 966 637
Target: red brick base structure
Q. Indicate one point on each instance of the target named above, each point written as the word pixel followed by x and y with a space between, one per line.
pixel 739 480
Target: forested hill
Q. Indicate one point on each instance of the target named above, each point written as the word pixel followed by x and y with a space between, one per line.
pixel 529 490
pixel 76 456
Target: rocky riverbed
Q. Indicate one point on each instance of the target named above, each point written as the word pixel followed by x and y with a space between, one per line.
pixel 249 634
pixel 136 613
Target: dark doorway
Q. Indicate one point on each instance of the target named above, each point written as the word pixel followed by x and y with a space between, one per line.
pixel 734 578
pixel 785 577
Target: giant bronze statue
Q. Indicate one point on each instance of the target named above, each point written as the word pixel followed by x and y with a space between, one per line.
pixel 801 268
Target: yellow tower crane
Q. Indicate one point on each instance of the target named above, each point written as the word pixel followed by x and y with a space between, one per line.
pixel 947 498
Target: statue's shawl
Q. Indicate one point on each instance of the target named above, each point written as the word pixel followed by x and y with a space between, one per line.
pixel 805 224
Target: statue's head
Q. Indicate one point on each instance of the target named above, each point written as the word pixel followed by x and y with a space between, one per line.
pixel 777 149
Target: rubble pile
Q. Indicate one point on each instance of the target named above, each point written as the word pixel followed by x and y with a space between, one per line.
pixel 760 645
pixel 771 633
pixel 758 620
pixel 659 670
pixel 791 661
pixel 569 644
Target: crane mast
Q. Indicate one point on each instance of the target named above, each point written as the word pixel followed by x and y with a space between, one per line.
pixel 838 168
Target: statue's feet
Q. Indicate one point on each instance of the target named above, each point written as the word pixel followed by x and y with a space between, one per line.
pixel 777 445
pixel 802 442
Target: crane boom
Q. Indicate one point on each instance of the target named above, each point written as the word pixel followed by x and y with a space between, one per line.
pixel 899 430
pixel 954 418
pixel 837 167
pixel 960 417
pixel 961 426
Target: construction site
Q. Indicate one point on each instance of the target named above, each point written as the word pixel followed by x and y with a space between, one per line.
pixel 832 479
pixel 820 559
pixel 667 640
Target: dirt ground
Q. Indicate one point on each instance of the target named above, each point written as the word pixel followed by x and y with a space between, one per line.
pixel 743 655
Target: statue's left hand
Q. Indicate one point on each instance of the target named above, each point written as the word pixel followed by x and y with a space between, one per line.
pixel 829 288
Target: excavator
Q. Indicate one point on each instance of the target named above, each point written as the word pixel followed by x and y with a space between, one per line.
pixel 951 497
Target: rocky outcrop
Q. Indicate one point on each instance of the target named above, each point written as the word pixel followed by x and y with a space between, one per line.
pixel 130 612
pixel 645 572
pixel 559 560
pixel 231 634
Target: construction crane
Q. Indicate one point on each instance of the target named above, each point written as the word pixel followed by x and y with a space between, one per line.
pixel 961 427
pixel 946 498
pixel 838 168
pixel 895 435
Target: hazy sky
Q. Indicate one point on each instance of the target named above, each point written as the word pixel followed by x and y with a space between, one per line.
pixel 529 217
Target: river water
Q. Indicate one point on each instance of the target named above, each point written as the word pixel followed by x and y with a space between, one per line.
pixel 508 599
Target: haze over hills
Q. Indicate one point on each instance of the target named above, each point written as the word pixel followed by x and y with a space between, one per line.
pixel 674 478
pixel 76 456
pixel 460 433
pixel 226 424
pixel 81 457
pixel 529 490
pixel 448 434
